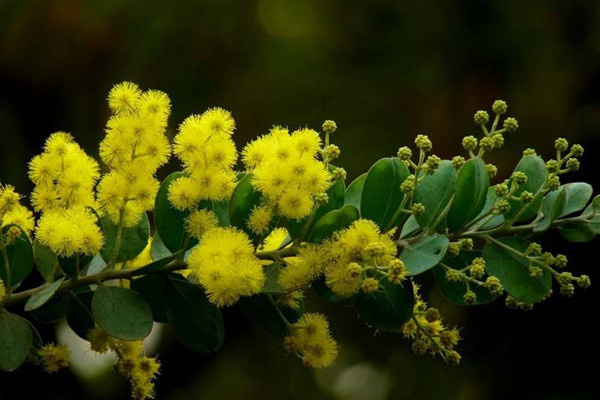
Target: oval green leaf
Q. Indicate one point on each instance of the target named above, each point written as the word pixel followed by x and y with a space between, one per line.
pixel 16 339
pixel 535 169
pixel 435 193
pixel 122 313
pixel 20 257
pixel 552 208
pixel 388 308
pixel 578 195
pixel 472 186
pixel 45 260
pixel 354 191
pixel 79 314
pixel 134 240
pixel 424 254
pixel 381 195
pixel 151 288
pixel 333 221
pixel 42 296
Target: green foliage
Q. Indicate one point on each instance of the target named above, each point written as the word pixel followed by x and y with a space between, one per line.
pixel 455 291
pixel 388 308
pixel 332 222
pixel 424 254
pixel 19 254
pixel 261 310
pixel 131 243
pixel 472 186
pixel 16 340
pixel 435 193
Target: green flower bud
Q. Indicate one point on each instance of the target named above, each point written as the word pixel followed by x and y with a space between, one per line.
pixel 534 250
pixel 560 261
pixel 404 153
pixel 453 249
pixel 547 258
pixel 501 189
pixel 452 357
pixel 423 143
pixel 561 144
pixel 477 271
pixel 419 347
pixel 494 286
pixel 567 290
pixel 536 272
pixel 418 209
pixel 511 302
pixel 458 162
pixel 552 166
pixel 529 152
pixel 554 183
pixel 565 278
pixel 339 173
pixel 431 164
pixel 519 177
pixel 466 244
pixel 469 142
pixel 499 107
pixel 332 152
pixel 408 185
pixel 492 170
pixel 498 140
pixel 525 306
pixel 470 297
pixel 453 275
pixel 322 198
pixel 577 150
pixel 510 124
pixel 329 126
pixel 584 282
pixel 487 143
pixel 502 207
pixel 481 117
pixel 526 197
pixel 573 164
pixel 432 314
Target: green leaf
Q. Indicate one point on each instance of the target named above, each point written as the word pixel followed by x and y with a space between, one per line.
pixel 157 265
pixel 553 206
pixel 170 222
pixel 272 285
pixel 354 191
pixel 578 195
pixel 513 271
pixel 243 200
pixel 381 195
pixel 336 196
pixel 410 226
pixel 45 260
pixel 69 264
pixel 388 308
pixel 16 339
pixel 535 169
pixel 333 221
pixel 134 240
pixel 454 291
pixel 20 257
pixel 262 313
pixel 122 313
pixel 158 249
pixel 42 296
pixel 435 193
pixel 53 311
pixel 593 208
pixel 197 322
pixel 496 220
pixel 424 254
pixel 79 314
pixel 472 186
pixel 151 288
pixel 578 231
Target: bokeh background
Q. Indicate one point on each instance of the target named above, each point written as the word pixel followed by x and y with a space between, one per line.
pixel 384 71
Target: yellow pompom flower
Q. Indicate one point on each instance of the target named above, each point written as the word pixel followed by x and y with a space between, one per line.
pixel 311 340
pixel 311 262
pixel 54 357
pixel 260 219
pixel 20 216
pixel 226 267
pixel 287 171
pixel 124 97
pixel 201 221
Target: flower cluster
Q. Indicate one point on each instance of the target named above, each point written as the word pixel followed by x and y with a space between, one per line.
pixel 12 212
pixel 310 339
pixel 135 146
pixel 286 170
pixel 54 357
pixel 225 264
pixel 207 152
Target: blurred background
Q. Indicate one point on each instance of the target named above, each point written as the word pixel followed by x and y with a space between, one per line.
pixel 384 71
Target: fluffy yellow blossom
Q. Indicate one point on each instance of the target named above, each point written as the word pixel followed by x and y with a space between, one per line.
pixel 69 232
pixel 205 147
pixel 300 271
pixel 201 221
pixel 20 216
pixel 64 176
pixel 134 147
pixel 311 340
pixel 225 265
pixel 260 219
pixel 54 357
pixel 286 169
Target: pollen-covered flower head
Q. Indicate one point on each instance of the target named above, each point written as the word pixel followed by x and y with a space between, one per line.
pixel 311 340
pixel 225 265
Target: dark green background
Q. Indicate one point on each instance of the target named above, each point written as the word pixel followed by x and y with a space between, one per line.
pixel 385 71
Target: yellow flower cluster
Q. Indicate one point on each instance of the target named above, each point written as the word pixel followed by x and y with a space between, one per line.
pixel 311 262
pixel 71 231
pixel 311 340
pixel 205 148
pixel 135 146
pixel 286 170
pixel 226 267
pixel 13 213
pixel 64 176
pixel 429 334
pixel 54 357
pixel 362 244
pixel 132 362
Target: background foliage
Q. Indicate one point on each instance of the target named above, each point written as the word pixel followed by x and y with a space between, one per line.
pixel 384 71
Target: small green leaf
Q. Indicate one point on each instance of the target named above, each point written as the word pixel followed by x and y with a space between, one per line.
pixel 243 200
pixel 553 206
pixel 79 314
pixel 122 313
pixel 16 339
pixel 513 271
pixel 20 257
pixel 410 226
pixel 388 308
pixel 158 250
pixel 578 195
pixel 151 288
pixel 535 169
pixel 53 311
pixel 354 191
pixel 579 231
pixel 336 195
pixel 381 195
pixel 272 285
pixel 593 208
pixel 333 221
pixel 435 193
pixel 45 260
pixel 42 296
pixel 472 186
pixel 424 254
pixel 197 322
pixel 487 222
pixel 170 222
pixel 454 291
pixel 134 240
pixel 261 312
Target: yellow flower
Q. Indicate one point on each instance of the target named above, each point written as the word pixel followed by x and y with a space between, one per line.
pixel 201 221
pixel 311 340
pixel 54 357
pixel 124 97
pixel 260 219
pixel 225 265
pixel 21 217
